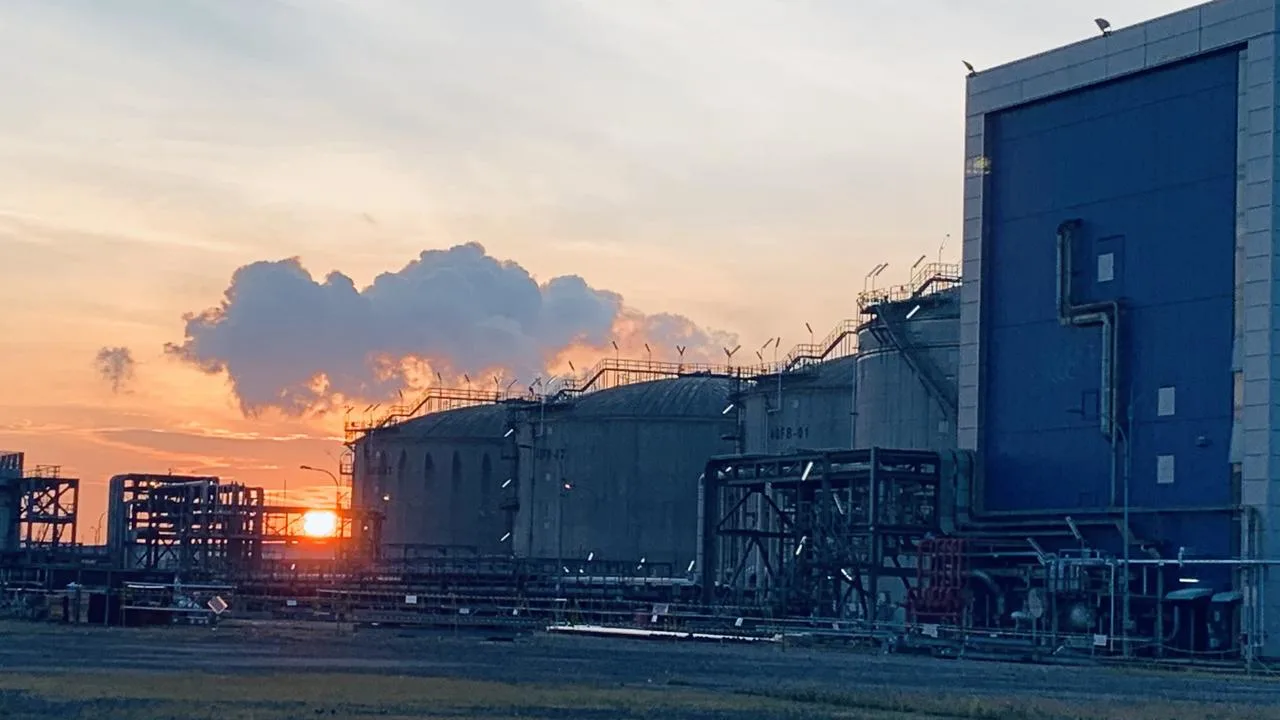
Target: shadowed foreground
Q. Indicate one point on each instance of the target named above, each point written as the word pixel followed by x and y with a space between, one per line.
pixel 270 672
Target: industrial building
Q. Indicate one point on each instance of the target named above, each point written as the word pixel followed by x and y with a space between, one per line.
pixel 1119 306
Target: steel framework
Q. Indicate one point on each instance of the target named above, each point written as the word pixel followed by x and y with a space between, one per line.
pixel 202 527
pixel 188 525
pixel 815 533
pixel 47 515
pixel 37 508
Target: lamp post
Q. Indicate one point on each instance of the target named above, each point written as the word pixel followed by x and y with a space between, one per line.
pixel 337 486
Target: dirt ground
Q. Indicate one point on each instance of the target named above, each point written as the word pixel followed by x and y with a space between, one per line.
pixel 270 671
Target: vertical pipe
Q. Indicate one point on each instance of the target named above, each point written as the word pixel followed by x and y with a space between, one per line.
pixel 1260 618
pixel 1160 610
pixel 853 404
pixel 699 558
pixel 765 523
pixel 1064 270
pixel 1112 594
pixel 778 369
pixel 1128 532
pixel 765 424
pixel 531 513
pixel 1105 393
pixel 710 518
pixel 559 535
pixel 873 580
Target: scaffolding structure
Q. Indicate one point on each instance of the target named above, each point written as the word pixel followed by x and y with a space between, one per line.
pixel 203 527
pixel 47 512
pixel 37 508
pixel 185 524
pixel 815 533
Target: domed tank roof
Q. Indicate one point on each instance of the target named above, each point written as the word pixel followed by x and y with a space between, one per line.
pixel 689 396
pixel 480 421
pixel 830 373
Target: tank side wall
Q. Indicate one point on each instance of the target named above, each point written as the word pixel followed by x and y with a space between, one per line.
pixel 633 488
pixel 895 407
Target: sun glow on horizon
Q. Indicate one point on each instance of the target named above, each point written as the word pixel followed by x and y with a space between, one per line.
pixel 320 523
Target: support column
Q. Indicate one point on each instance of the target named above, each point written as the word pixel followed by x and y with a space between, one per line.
pixel 1260 357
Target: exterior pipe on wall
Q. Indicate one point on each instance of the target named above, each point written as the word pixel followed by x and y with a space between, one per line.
pixel 1106 315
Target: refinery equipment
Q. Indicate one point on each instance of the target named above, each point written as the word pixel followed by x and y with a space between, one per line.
pixel 1118 323
pixel 816 533
pixel 184 524
pixel 203 527
pixel 37 508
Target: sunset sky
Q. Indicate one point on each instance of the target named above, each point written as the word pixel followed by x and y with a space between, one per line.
pixel 741 163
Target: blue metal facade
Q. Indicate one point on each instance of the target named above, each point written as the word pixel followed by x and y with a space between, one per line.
pixel 1147 163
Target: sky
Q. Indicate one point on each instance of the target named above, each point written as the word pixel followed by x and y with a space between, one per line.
pixel 374 191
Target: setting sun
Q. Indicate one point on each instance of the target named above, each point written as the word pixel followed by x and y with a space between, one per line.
pixel 320 523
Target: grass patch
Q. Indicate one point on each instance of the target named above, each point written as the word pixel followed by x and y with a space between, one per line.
pixel 198 696
pixel 973 707
pixel 206 696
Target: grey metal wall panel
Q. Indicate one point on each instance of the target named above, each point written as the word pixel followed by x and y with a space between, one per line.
pixel 809 409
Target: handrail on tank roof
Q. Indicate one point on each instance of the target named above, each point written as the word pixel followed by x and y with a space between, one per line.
pixel 806 354
pixel 928 280
pixel 606 374
pixel 625 371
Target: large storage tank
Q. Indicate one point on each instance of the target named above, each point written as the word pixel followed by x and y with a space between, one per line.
pixel 438 479
pixel 907 363
pixel 809 408
pixel 613 475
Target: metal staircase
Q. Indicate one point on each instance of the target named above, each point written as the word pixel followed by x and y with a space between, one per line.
pixel 890 330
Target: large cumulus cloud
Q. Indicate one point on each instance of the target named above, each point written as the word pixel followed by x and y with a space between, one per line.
pixel 287 341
